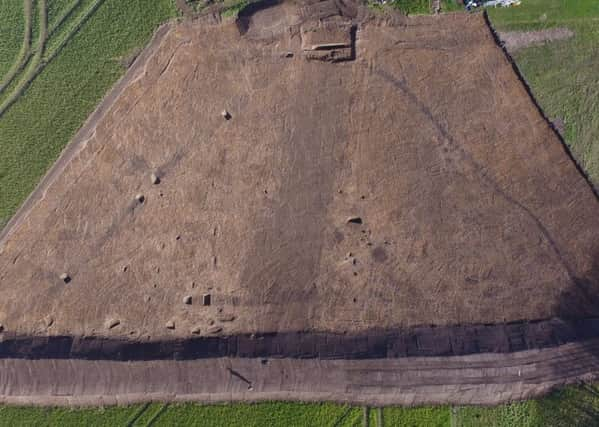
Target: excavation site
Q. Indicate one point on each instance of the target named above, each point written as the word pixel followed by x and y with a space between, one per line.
pixel 312 201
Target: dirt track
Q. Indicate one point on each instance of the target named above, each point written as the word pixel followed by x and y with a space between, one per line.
pixel 479 379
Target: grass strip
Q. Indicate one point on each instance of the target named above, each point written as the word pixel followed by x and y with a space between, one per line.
pixel 12 25
pixel 562 74
pixel 23 56
pixel 38 64
pixel 46 116
pixel 36 61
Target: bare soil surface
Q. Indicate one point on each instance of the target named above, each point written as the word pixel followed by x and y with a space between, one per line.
pixel 465 207
pixel 515 40
pixel 487 379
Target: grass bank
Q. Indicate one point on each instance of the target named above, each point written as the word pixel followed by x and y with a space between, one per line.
pixel 38 125
pixel 563 74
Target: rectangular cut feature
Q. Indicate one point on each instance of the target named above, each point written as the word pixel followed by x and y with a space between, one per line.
pixel 328 41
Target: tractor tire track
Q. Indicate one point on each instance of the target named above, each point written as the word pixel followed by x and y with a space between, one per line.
pixel 475 379
pixel 25 52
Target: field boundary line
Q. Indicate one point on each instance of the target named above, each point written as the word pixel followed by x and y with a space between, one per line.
pixel 84 132
pixel 581 170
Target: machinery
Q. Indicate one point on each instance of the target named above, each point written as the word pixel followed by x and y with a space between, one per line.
pixel 473 4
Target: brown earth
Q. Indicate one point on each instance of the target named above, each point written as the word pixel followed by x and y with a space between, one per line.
pixel 515 40
pixel 482 379
pixel 471 210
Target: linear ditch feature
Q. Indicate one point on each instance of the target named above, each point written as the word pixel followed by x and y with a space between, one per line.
pixel 376 344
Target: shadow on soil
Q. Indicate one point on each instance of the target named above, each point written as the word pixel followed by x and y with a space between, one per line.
pixel 578 310
pixel 581 300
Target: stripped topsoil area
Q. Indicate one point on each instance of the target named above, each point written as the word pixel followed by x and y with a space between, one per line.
pixel 370 173
pixel 516 40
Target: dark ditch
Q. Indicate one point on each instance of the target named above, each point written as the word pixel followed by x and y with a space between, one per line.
pixel 421 341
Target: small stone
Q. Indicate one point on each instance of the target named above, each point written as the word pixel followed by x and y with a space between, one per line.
pixel 154 179
pixel 140 198
pixel 222 317
pixel 65 277
pixel 170 324
pixel 49 321
pixel 349 255
pixel 112 323
pixel 187 299
pixel 206 299
pixel 215 329
pixel 226 115
pixel 196 330
pixel 288 54
pixel 210 322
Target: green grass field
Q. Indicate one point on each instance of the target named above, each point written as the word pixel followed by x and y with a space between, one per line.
pixel 571 407
pixel 63 82
pixel 563 74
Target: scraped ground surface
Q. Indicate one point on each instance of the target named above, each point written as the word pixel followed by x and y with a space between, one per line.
pixel 471 211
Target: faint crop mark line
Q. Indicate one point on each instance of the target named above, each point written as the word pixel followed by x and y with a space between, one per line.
pixel 402 85
pixel 37 65
pixel 137 415
pixel 170 60
pixel 27 51
pixel 35 60
pixel 24 53
pixel 158 413
pixel 64 17
pixel 342 417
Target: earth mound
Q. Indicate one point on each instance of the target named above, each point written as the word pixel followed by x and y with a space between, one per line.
pixel 307 168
